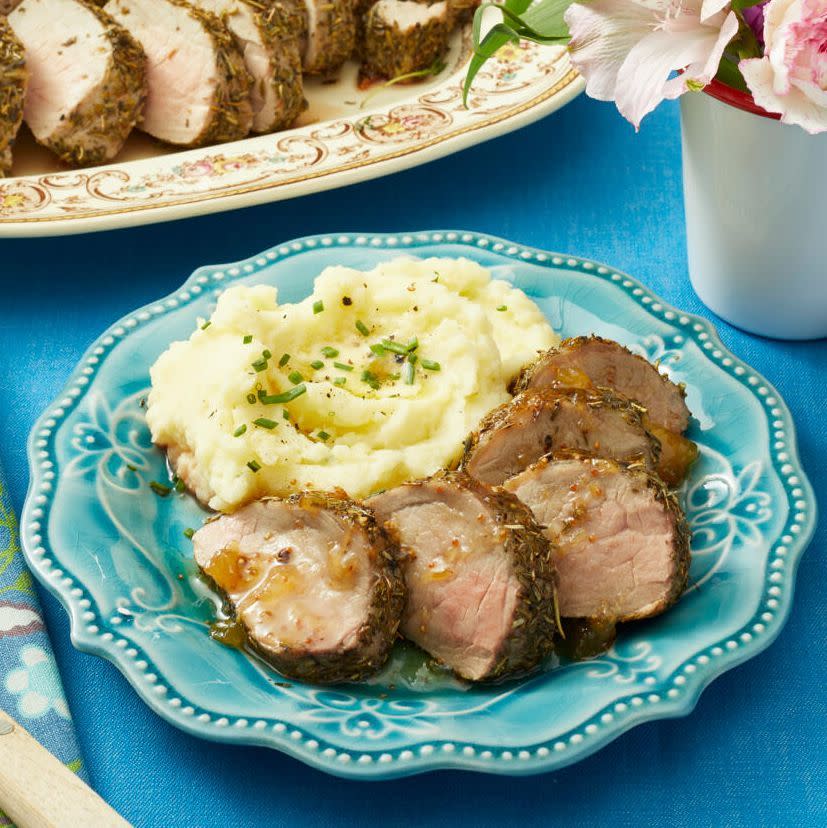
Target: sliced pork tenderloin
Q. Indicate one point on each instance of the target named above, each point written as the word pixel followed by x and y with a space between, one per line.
pixel 620 540
pixel 199 88
pixel 594 362
pixel 481 585
pixel 536 422
pixel 267 39
pixel 461 11
pixel 403 36
pixel 87 82
pixel 13 80
pixel 8 6
pixel 331 36
pixel 313 580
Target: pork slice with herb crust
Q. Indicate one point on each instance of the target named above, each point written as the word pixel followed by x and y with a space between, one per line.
pixel 621 543
pixel 536 422
pixel 313 580
pixel 86 79
pixel 481 585
pixel 594 362
pixel 13 79
pixel 199 88
pixel 266 36
pixel 331 36
pixel 404 36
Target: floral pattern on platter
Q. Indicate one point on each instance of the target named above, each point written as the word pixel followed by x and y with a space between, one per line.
pixel 525 77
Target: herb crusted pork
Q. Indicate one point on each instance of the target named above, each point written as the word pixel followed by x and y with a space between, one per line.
pixel 479 575
pixel 621 542
pixel 313 580
pixel 199 88
pixel 86 79
pixel 13 78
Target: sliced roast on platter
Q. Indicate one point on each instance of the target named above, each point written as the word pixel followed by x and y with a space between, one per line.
pixel 479 575
pixel 86 79
pixel 331 36
pixel 267 38
pixel 313 580
pixel 621 543
pixel 403 36
pixel 13 78
pixel 538 421
pixel 198 86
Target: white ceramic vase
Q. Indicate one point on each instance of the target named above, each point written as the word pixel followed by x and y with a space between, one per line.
pixel 755 192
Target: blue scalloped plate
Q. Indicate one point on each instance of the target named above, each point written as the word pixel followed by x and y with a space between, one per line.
pixel 116 557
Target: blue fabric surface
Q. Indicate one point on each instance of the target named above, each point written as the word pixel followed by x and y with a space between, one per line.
pixel 754 750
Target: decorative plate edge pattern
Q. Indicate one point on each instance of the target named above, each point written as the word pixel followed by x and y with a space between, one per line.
pixel 687 681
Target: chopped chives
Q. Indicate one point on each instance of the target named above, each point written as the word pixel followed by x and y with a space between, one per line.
pixel 371 379
pixel 285 358
pixel 263 422
pixel 413 344
pixel 329 352
pixel 260 365
pixel 247 339
pixel 206 325
pixel 286 397
pixel 318 307
pixel 430 365
pixel 266 354
pixel 261 393
pixel 394 347
pixel 410 373
pixel 340 381
pixel 159 488
pixel 379 350
pixel 240 430
pixel 502 308
pixel 342 366
pixel 254 466
pixel 317 364
pixel 188 533
pixel 362 328
pixel 251 398
pixel 295 377
pixel 412 358
pixel 323 435
pixel 178 484
pixel 285 414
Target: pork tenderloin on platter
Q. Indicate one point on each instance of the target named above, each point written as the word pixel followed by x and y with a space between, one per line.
pixel 13 79
pixel 313 580
pixel 87 81
pixel 478 570
pixel 536 422
pixel 199 89
pixel 8 6
pixel 267 38
pixel 331 36
pixel 403 36
pixel 621 543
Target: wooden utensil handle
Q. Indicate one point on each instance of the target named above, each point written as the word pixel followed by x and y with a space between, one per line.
pixel 38 791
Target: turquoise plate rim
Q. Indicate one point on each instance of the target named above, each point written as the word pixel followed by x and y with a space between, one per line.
pixel 88 629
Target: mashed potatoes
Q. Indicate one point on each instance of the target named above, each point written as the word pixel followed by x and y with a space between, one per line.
pixel 267 399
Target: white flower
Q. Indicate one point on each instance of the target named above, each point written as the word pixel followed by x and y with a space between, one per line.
pixel 791 78
pixel 629 50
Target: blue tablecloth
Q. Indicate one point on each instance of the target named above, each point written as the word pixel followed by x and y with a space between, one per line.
pixel 753 752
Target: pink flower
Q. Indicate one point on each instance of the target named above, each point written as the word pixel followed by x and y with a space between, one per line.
pixel 791 78
pixel 629 50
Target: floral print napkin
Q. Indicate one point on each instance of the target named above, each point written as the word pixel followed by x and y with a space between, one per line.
pixel 30 687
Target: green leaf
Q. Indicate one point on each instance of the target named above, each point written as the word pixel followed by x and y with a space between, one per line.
pixel 745 4
pixel 546 18
pixel 491 44
pixel 730 74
